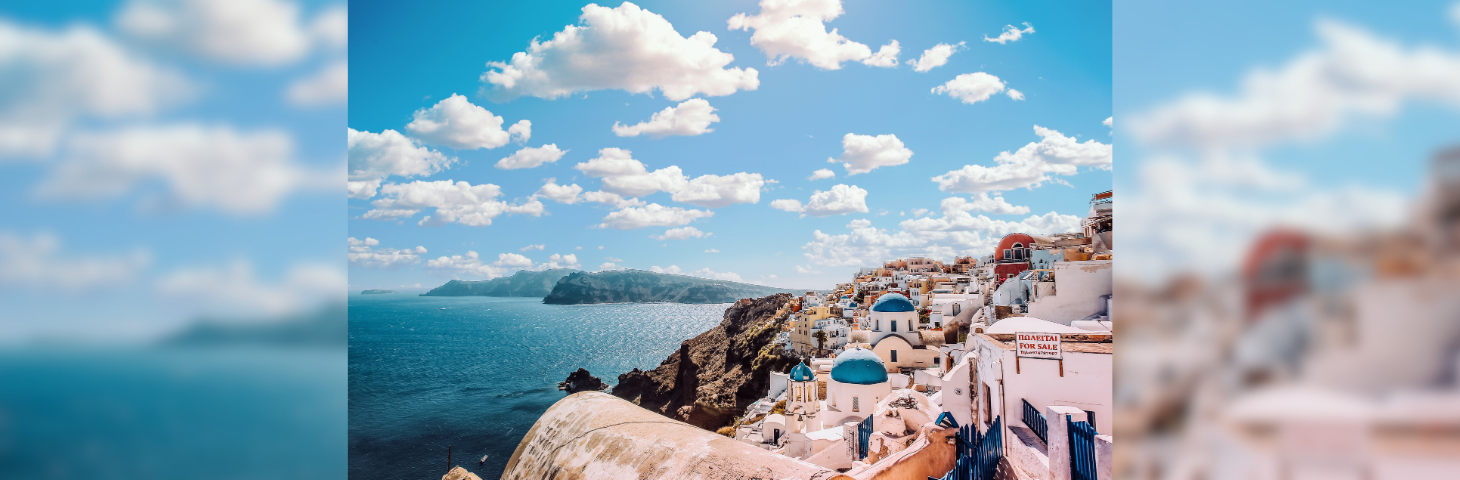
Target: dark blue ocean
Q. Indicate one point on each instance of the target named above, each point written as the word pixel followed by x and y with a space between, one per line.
pixel 477 374
pixel 172 413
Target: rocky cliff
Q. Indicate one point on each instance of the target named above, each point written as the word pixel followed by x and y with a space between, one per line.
pixel 638 286
pixel 520 284
pixel 714 376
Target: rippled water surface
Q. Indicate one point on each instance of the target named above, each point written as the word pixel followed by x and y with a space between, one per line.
pixel 476 374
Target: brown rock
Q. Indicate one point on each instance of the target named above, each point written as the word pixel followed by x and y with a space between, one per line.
pixel 714 376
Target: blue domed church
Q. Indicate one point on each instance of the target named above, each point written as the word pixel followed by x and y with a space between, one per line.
pixel 893 314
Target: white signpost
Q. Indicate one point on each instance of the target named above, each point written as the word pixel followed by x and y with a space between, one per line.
pixel 1038 345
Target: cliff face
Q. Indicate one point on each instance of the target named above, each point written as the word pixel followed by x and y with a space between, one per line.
pixel 714 376
pixel 637 286
pixel 520 284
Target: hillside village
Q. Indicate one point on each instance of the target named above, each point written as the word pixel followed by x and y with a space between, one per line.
pixel 986 367
pixel 916 343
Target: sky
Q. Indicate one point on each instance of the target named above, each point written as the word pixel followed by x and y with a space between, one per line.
pixel 166 161
pixel 786 147
pixel 1320 116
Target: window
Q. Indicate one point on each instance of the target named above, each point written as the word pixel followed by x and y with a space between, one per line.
pixel 894 325
pixel 988 407
pixel 854 404
pixel 937 360
pixel 957 308
pixel 894 356
pixel 1008 254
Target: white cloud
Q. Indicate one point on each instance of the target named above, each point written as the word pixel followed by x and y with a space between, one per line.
pixel 839 200
pixel 995 205
pixel 331 27
pixel 330 86
pixel 455 122
pixel 459 202
pixel 886 57
pixel 532 247
pixel 559 261
pixel 530 157
pixel 935 57
pixel 364 253
pixel 972 88
pixel 53 78
pixel 608 266
pixel 201 166
pixel 918 212
pixel 611 259
pixel 786 29
pixel 864 153
pixel 559 193
pixel 956 233
pixel 373 156
pixel 1011 34
pixel 1015 94
pixel 715 191
pixel 1109 122
pixel 1352 74
pixel 681 233
pixel 612 199
pixel 859 223
pixel 712 250
pixel 787 204
pixel 702 273
pixel 471 266
pixel 36 262
pixel 1030 166
pixel 234 290
pixel 822 173
pixel 626 48
pixel 242 32
pixel 651 215
pixel 806 269
pixel 622 175
pixel 692 117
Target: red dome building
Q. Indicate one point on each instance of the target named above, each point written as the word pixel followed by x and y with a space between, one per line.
pixel 1012 256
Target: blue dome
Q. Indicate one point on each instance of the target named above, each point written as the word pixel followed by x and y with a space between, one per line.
pixel 893 302
pixel 802 373
pixel 859 366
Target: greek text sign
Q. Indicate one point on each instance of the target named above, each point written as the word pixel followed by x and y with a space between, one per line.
pixel 1038 345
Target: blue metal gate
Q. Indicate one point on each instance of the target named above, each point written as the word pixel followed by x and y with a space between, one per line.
pixel 864 433
pixel 1082 450
pixel 978 454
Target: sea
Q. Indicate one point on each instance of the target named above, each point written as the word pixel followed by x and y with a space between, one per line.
pixel 474 373
pixel 131 412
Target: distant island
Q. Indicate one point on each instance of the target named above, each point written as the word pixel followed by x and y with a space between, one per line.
pixel 375 291
pixel 638 286
pixel 324 327
pixel 521 284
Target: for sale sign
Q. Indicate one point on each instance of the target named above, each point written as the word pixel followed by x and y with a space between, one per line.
pixel 1038 345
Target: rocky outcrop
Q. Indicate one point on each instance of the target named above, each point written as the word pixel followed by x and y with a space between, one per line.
pixel 376 291
pixel 581 381
pixel 638 286
pixel 592 436
pixel 714 376
pixel 459 473
pixel 521 284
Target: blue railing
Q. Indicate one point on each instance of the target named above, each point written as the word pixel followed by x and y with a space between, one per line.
pixel 1035 421
pixel 978 454
pixel 864 434
pixel 1082 450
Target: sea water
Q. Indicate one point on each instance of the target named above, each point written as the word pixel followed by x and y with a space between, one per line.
pixel 172 413
pixel 474 373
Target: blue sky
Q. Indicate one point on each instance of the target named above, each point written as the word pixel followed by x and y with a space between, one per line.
pixel 408 57
pixel 1244 116
pixel 178 176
